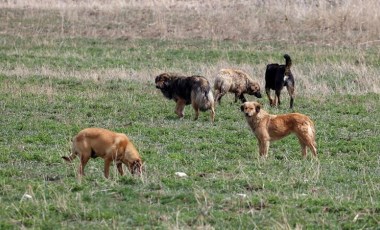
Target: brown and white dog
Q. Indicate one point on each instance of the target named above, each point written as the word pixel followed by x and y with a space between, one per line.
pixel 268 127
pixel 111 146
pixel 237 82
pixel 194 90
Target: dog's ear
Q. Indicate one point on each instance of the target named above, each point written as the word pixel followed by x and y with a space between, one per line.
pixel 258 107
pixel 166 76
pixel 242 108
pixel 165 79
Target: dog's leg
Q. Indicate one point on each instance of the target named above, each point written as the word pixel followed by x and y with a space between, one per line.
pixel 194 104
pixel 120 168
pixel 303 148
pixel 130 167
pixel 290 88
pixel 107 163
pixel 238 95
pixel 266 148
pixel 179 108
pixel 267 91
pixel 277 98
pixel 263 147
pixel 196 109
pixel 219 96
pixel 83 161
pixel 212 114
pixel 242 98
pixel 312 146
pixel 307 141
pixel 313 149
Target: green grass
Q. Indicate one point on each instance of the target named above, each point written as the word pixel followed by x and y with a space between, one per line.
pixel 69 69
pixel 97 54
pixel 41 114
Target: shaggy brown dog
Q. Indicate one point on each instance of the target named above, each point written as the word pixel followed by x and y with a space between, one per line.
pixel 111 146
pixel 194 90
pixel 267 127
pixel 276 77
pixel 237 82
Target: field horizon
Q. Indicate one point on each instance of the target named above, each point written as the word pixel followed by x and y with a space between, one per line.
pixel 69 65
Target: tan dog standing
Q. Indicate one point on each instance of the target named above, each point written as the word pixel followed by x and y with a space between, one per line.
pixel 268 127
pixel 111 146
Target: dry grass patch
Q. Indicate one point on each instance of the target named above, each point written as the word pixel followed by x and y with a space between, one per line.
pixel 318 79
pixel 321 21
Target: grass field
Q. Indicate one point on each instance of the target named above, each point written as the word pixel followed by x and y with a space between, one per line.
pixel 52 85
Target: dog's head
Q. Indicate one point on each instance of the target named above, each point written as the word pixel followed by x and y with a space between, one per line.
pixel 250 108
pixel 162 80
pixel 253 88
pixel 136 167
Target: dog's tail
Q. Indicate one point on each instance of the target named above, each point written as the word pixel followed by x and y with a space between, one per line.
pixel 288 61
pixel 204 97
pixel 311 131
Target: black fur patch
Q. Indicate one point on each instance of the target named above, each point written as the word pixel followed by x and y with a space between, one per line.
pixel 93 154
pixel 275 74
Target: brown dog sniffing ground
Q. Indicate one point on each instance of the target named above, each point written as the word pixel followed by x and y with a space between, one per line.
pixel 268 127
pixel 237 82
pixel 111 146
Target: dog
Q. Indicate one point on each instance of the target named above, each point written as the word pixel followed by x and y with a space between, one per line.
pixel 276 77
pixel 237 82
pixel 268 127
pixel 194 90
pixel 111 146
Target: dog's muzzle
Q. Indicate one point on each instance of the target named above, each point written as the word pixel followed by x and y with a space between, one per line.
pixel 137 168
pixel 242 109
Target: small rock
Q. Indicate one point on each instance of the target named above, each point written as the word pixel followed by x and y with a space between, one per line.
pixel 26 196
pixel 181 174
pixel 242 195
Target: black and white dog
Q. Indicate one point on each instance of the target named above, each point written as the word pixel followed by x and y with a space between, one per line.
pixel 276 77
